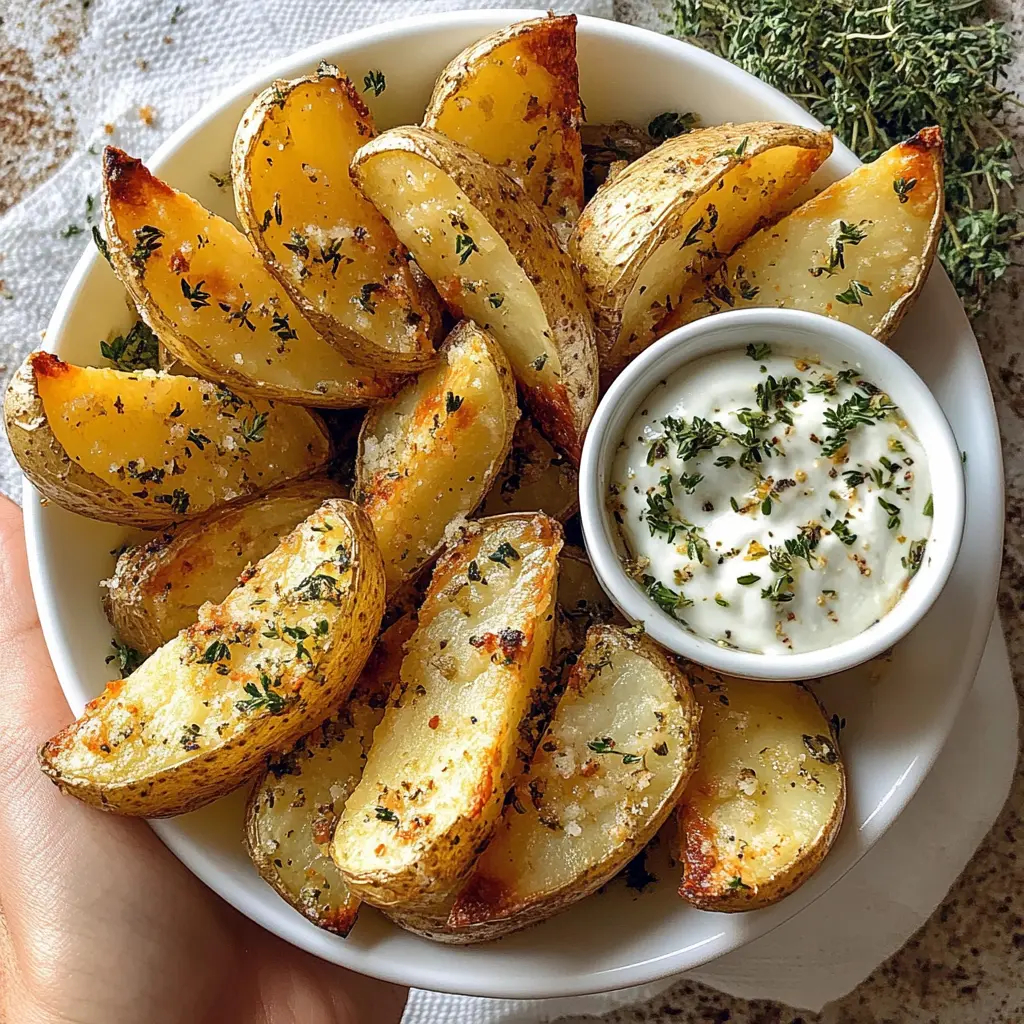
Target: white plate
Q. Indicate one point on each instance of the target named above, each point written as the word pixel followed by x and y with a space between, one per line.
pixel 896 724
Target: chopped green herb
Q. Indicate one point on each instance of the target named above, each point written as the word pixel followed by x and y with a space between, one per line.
pixel 892 511
pixel 929 506
pixel 852 295
pixel 465 247
pixel 128 658
pixel 252 430
pixel 903 187
pixel 139 349
pixel 503 553
pixel 217 651
pixel 268 700
pixel 383 814
pixel 452 402
pixel 374 80
pixel 759 352
pixel 748 580
pixel 670 124
pixel 606 745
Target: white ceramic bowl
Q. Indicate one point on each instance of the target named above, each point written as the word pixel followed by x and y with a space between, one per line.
pixel 898 718
pixel 801 334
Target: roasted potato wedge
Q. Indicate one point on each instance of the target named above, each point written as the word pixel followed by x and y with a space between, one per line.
pixel 333 253
pixel 534 478
pixel 609 769
pixel 294 807
pixel 448 747
pixel 202 288
pixel 494 258
pixel 250 677
pixel 859 251
pixel 767 799
pixel 146 449
pixel 159 585
pixel 428 456
pixel 514 98
pixel 674 213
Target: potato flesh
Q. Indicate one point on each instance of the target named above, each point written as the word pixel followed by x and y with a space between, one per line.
pixel 126 428
pixel 518 106
pixel 759 797
pixel 744 196
pixel 310 184
pixel 426 462
pixel 430 214
pixel 576 809
pixel 298 802
pixel 180 705
pixel 261 337
pixel 172 575
pixel 774 267
pixel 446 751
pixel 535 477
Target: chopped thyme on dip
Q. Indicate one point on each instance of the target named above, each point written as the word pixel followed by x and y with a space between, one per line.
pixel 769 503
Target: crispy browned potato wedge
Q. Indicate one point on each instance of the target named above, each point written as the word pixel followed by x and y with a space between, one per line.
pixel 294 807
pixel 428 457
pixel 514 98
pixel 859 251
pixel 146 449
pixel 449 748
pixel 495 258
pixel 202 288
pixel 609 769
pixel 674 213
pixel 254 674
pixel 534 478
pixel 334 254
pixel 158 586
pixel 767 799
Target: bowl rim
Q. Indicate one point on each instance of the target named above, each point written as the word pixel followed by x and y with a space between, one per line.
pixel 205 863
pixel 832 341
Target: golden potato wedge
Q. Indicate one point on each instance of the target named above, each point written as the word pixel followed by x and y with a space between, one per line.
pixel 250 677
pixel 767 799
pixel 333 253
pixel 146 449
pixel 859 251
pixel 294 807
pixel 674 213
pixel 158 586
pixel 494 258
pixel 534 478
pixel 448 747
pixel 609 769
pixel 514 98
pixel 202 288
pixel 428 456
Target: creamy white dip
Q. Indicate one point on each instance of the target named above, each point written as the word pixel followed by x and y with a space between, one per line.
pixel 769 503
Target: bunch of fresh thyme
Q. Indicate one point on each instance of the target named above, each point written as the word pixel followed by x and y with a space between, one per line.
pixel 877 71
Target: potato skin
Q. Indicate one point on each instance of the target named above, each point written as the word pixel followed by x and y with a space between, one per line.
pixel 203 557
pixel 134 750
pixel 562 407
pixel 62 480
pixel 382 259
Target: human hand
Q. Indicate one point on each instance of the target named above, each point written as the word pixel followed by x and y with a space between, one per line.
pixel 100 923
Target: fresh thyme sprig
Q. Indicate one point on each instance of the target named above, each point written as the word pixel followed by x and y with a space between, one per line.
pixel 879 72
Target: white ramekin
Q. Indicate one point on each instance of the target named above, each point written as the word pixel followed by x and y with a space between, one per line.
pixel 832 343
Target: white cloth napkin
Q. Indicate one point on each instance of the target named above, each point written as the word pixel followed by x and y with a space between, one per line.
pixel 166 59
pixel 829 948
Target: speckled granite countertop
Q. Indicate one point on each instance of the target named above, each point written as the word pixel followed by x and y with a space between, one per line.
pixel 966 965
